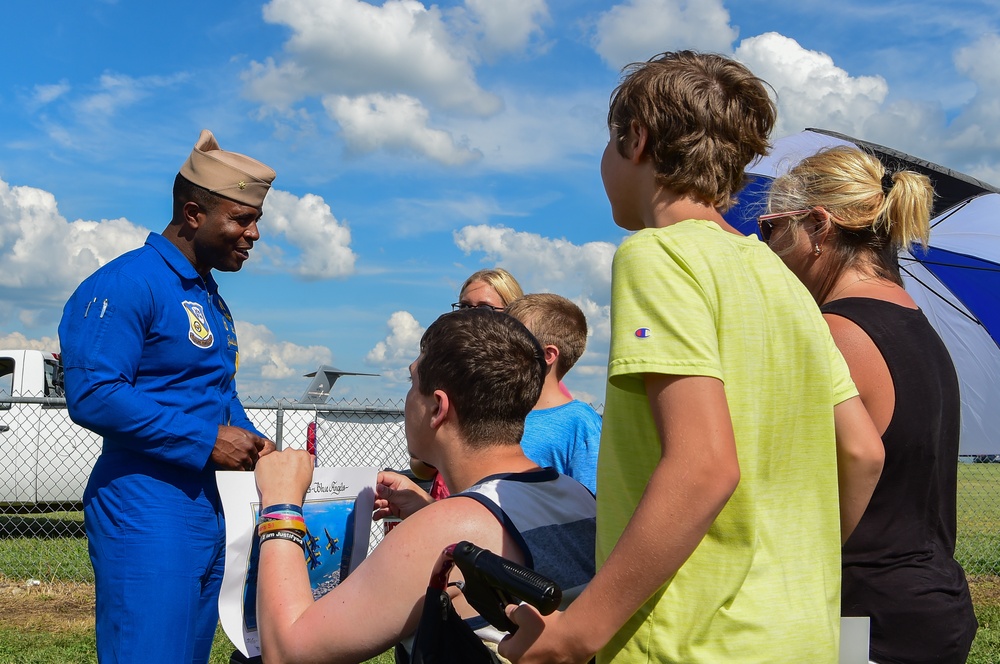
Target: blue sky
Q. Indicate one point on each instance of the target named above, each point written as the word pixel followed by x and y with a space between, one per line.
pixel 416 143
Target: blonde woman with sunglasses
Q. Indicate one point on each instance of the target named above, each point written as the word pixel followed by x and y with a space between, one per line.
pixel 838 220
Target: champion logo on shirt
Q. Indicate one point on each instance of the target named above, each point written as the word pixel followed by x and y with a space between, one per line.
pixel 643 333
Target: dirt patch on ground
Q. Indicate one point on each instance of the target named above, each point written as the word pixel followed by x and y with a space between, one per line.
pixel 985 589
pixel 60 607
pixel 68 607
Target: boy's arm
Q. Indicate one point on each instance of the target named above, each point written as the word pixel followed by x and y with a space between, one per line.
pixel 697 473
pixel 860 455
pixel 859 421
pixel 381 601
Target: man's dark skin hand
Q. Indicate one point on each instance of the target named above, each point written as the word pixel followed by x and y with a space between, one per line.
pixel 238 449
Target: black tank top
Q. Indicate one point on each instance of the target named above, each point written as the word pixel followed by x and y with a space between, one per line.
pixel 899 566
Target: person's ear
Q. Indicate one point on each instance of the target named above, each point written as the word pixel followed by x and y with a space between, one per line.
pixel 819 225
pixel 551 356
pixel 635 142
pixel 443 409
pixel 192 214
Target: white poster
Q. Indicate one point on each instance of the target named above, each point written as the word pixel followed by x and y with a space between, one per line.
pixel 338 515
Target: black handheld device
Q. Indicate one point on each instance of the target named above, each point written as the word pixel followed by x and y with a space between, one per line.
pixel 492 582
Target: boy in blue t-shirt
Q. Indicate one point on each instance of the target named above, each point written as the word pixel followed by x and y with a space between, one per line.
pixel 560 432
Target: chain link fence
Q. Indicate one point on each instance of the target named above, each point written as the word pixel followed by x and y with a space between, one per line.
pixel 45 460
pixel 978 511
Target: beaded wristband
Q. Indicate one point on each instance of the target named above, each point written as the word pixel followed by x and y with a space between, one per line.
pixel 284 535
pixel 271 526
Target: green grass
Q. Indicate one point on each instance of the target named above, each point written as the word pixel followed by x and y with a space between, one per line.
pixel 986 647
pixel 52 548
pixel 18 646
pixel 48 547
pixel 23 647
pixel 978 546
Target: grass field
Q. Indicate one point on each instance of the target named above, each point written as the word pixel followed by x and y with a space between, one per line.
pixel 54 624
pixel 978 547
pixel 51 621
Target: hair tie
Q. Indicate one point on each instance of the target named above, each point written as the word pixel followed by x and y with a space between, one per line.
pixel 886 182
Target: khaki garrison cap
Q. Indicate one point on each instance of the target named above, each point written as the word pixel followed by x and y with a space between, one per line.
pixel 229 174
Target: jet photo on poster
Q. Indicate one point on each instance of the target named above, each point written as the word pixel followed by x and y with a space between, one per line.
pixel 337 511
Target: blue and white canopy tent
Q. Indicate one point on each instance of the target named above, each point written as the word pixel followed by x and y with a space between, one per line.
pixel 956 282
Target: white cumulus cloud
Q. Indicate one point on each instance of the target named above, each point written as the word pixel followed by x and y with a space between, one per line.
pixel 18 341
pixel 349 47
pixel 308 224
pixel 395 123
pixel 507 27
pixel 541 132
pixel 636 30
pixel 541 264
pixel 906 125
pixel 975 130
pixel 45 256
pixel 401 346
pixel 812 91
pixel 270 367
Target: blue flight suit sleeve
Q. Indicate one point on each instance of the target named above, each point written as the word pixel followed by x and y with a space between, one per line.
pixel 102 334
pixel 239 418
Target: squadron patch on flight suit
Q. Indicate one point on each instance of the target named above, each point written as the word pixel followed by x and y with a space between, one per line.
pixel 199 334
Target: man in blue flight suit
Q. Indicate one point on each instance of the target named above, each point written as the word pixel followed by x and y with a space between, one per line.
pixel 150 355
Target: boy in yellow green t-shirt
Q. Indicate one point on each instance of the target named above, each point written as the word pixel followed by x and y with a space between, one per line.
pixel 728 406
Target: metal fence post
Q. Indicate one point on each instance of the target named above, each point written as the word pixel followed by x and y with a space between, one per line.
pixel 279 425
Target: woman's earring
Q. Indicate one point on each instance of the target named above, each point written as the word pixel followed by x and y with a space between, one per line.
pixel 817 250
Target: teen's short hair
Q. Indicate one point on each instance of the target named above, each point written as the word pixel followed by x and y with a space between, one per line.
pixel 554 321
pixel 491 368
pixel 707 117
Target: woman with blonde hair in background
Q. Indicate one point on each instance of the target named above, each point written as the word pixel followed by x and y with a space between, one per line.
pixel 838 219
pixel 492 288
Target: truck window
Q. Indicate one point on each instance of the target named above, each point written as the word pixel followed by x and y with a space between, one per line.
pixel 6 380
pixel 54 379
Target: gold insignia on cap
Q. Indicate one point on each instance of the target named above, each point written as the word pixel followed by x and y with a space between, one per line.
pixel 241 184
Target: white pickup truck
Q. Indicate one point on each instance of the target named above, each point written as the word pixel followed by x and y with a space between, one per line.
pixel 45 458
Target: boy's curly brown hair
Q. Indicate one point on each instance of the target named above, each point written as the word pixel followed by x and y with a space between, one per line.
pixel 707 117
